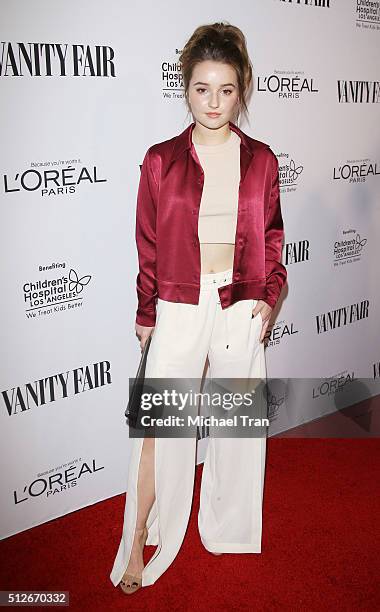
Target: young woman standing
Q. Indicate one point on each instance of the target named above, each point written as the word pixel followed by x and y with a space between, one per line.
pixel 209 234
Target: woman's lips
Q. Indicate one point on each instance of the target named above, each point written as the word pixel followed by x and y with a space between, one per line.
pixel 213 114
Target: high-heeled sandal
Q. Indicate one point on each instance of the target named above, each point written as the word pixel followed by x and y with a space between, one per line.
pixel 129 583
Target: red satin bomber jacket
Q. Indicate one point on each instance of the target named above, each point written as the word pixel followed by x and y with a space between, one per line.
pixel 167 211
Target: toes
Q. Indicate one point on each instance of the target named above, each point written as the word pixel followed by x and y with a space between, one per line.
pixel 129 584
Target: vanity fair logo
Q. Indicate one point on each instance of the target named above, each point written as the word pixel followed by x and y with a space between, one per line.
pixel 57 480
pixel 18 59
pixel 333 385
pixel 355 171
pixel 171 77
pixel 367 14
pixel 287 84
pixel 52 178
pixel 358 92
pixel 18 400
pixel 348 249
pixel 290 172
pixel 53 295
pixel 344 315
pixel 296 252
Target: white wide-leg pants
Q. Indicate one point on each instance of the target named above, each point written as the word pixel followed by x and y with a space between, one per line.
pixel 230 513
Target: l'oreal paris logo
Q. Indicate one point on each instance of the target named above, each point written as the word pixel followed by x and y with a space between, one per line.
pixel 52 178
pixel 355 171
pixel 57 480
pixel 287 84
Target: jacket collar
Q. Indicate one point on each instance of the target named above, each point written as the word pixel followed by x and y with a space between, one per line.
pixel 184 142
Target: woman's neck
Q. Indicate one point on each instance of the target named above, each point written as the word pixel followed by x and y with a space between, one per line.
pixel 206 136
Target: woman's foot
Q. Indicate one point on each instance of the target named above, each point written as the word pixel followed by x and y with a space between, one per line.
pixel 131 580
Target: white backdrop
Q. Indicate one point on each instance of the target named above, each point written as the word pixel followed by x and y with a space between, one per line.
pixel 85 90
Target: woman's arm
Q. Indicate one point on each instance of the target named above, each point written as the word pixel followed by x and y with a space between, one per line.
pixel 146 211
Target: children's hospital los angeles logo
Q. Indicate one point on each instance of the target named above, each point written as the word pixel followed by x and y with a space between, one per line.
pixel 171 78
pixel 349 247
pixel 290 172
pixel 51 295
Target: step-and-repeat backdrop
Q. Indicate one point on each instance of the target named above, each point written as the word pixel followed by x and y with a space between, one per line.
pixel 85 89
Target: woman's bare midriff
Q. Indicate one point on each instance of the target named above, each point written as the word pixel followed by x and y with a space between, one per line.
pixel 216 257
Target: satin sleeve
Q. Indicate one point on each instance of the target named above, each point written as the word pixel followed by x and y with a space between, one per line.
pixel 146 214
pixel 275 271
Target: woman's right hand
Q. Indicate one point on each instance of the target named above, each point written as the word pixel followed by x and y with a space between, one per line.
pixel 143 334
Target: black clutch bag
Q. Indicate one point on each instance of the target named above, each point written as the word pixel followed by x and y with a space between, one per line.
pixel 132 412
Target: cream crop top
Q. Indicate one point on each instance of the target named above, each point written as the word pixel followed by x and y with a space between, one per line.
pixel 219 202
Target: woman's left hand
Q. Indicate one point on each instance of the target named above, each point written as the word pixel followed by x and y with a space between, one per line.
pixel 265 311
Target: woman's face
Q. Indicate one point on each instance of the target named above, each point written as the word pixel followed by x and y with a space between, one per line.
pixel 213 88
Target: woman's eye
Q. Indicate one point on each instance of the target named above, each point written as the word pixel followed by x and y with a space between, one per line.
pixel 225 91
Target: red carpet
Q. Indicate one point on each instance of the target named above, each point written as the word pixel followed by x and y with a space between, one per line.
pixel 321 544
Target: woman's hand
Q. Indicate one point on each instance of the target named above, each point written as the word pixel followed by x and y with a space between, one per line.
pixel 265 311
pixel 143 334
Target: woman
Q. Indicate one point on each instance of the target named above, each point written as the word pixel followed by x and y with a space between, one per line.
pixel 209 235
